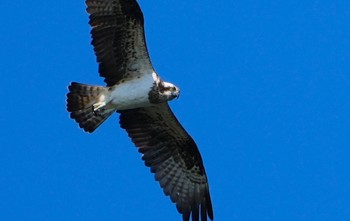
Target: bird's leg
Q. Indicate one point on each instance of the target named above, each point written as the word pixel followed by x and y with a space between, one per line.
pixel 97 106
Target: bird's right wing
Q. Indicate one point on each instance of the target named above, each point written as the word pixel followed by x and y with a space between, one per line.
pixel 118 39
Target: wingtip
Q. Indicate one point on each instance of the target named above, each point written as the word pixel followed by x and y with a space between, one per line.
pixel 209 206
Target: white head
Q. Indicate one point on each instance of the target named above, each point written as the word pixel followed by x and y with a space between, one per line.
pixel 168 91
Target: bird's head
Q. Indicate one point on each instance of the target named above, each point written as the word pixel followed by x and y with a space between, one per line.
pixel 168 90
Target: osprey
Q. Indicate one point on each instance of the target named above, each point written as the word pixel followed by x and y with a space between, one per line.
pixel 141 97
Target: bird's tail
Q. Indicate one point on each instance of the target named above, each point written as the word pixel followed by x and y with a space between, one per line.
pixel 87 106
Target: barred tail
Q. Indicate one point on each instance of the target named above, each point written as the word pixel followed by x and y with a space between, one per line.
pixel 80 103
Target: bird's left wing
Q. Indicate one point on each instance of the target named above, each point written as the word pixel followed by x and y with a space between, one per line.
pixel 173 156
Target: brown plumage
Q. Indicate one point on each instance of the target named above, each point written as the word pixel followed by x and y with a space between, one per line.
pixel 141 97
pixel 173 156
pixel 118 38
pixel 80 101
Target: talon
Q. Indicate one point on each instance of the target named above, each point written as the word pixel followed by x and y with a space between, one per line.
pixel 96 112
pixel 98 105
pixel 96 108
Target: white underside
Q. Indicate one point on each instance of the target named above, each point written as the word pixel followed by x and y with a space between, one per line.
pixel 132 93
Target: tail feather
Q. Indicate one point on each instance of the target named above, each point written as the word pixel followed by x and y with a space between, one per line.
pixel 80 101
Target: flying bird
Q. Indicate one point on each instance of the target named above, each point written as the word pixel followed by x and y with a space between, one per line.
pixel 141 97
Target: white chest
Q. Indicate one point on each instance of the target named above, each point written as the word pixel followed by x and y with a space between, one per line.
pixel 132 93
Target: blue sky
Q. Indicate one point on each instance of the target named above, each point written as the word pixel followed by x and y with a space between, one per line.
pixel 264 92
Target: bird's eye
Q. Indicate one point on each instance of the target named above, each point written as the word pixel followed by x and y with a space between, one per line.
pixel 172 89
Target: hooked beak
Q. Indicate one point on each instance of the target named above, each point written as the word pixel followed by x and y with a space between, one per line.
pixel 178 95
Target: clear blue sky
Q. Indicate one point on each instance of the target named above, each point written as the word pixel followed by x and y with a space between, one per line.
pixel 265 94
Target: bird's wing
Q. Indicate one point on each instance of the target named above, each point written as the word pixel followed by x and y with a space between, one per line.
pixel 173 156
pixel 118 39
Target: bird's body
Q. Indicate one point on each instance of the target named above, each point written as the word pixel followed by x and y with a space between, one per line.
pixel 133 93
pixel 137 92
pixel 91 105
